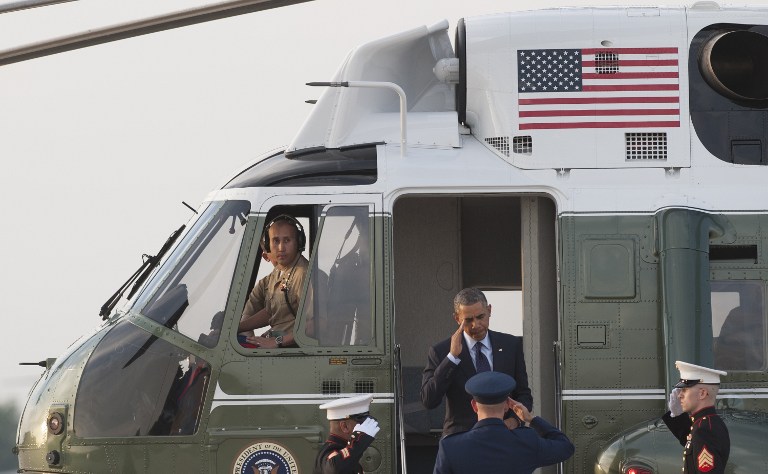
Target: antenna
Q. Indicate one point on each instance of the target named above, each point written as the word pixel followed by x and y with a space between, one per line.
pixel 192 208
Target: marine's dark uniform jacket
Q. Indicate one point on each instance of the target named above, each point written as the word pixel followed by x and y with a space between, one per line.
pixel 341 457
pixel 491 448
pixel 705 438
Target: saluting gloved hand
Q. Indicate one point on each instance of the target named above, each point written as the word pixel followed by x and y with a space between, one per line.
pixel 369 427
pixel 675 408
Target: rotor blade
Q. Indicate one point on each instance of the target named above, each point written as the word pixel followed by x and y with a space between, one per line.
pixel 25 4
pixel 144 26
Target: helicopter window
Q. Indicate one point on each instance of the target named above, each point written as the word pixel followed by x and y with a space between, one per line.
pixel 190 291
pixel 341 314
pixel 738 325
pixel 352 166
pixel 135 384
pixel 276 293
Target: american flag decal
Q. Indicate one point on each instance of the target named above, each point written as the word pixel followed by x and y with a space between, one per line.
pixel 598 88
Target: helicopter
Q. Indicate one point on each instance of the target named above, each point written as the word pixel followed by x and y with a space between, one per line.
pixel 624 203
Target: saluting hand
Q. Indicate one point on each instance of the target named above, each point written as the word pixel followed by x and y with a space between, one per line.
pixel 456 341
pixel 520 410
pixel 370 427
pixel 675 406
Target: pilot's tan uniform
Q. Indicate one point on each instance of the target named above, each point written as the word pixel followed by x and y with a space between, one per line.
pixel 268 294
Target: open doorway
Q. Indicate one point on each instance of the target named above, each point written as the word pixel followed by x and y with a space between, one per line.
pixel 503 244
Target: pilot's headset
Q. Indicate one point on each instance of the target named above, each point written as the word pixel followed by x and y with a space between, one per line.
pixel 302 236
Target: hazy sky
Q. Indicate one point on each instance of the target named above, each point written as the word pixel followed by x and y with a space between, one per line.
pixel 99 146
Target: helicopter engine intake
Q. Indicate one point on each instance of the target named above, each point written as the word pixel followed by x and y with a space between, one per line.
pixel 735 64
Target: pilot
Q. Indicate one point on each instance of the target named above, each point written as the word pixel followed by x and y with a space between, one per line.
pixel 352 430
pixel 490 446
pixel 274 299
pixel 701 431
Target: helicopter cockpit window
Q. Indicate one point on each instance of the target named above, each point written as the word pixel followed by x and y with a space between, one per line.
pixel 135 384
pixel 190 291
pixel 739 325
pixel 341 313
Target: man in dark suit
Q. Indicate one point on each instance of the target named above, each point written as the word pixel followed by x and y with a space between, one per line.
pixel 453 361
pixel 490 447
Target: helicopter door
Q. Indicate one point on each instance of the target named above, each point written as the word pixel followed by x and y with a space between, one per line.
pixel 340 344
pixel 503 244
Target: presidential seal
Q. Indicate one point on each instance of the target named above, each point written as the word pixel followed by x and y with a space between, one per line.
pixel 265 458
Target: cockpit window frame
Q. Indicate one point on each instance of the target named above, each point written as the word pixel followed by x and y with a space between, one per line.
pixel 248 263
pixel 349 166
pixel 302 322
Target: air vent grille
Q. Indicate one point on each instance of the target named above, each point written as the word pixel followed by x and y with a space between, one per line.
pixel 646 146
pixel 607 62
pixel 499 143
pixel 522 145
pixel 331 387
pixel 365 386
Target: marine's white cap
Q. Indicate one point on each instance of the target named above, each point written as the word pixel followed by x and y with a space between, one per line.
pixel 346 407
pixel 691 375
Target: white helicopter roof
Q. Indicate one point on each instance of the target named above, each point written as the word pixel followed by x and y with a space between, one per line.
pixel 345 117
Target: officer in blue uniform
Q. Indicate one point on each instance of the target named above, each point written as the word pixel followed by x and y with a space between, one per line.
pixel 694 422
pixel 490 447
pixel 352 431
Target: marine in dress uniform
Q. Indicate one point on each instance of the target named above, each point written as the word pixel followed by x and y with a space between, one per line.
pixel 694 422
pixel 352 431
pixel 490 447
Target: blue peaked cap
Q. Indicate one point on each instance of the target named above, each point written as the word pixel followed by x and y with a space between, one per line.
pixel 490 387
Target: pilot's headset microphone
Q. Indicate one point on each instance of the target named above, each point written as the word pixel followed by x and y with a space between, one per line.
pixel 302 242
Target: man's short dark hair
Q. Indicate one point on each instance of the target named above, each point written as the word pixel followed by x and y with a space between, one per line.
pixel 467 297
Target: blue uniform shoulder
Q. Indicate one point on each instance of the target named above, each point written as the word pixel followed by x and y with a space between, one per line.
pixel 453 435
pixel 453 439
